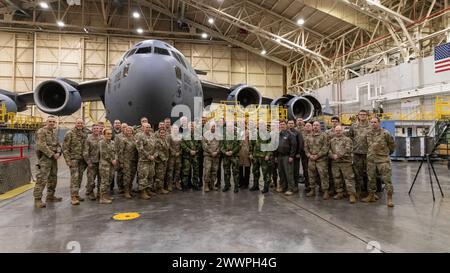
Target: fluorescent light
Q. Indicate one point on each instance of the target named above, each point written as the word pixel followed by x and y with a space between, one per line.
pixel 140 30
pixel 136 14
pixel 211 21
pixel 60 23
pixel 85 30
pixel 263 52
pixel 278 40
pixel 43 5
pixel 204 35
pixel 300 22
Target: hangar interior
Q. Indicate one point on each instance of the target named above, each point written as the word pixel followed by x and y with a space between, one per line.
pixel 378 55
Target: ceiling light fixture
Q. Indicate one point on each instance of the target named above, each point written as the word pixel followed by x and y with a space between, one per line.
pixel 60 23
pixel 136 14
pixel 300 22
pixel 140 30
pixel 43 5
pixel 204 35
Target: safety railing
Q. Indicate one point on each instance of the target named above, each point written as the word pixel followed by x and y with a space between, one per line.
pixel 14 149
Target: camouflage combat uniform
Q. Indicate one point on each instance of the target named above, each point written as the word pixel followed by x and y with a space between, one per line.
pixel 108 153
pixel 128 159
pixel 210 162
pixel 342 166
pixel 380 145
pixel 174 164
pixel 145 144
pixel 91 154
pixel 358 133
pixel 317 144
pixel 163 152
pixel 47 167
pixel 330 133
pixel 259 162
pixel 190 162
pixel 73 146
pixel 118 179
pixel 230 163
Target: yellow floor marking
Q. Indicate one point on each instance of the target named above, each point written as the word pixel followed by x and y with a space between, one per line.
pixel 126 216
pixel 16 191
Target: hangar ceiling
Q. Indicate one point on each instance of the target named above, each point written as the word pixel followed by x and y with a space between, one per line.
pixel 319 41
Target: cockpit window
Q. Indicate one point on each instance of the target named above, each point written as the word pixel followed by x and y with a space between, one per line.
pixel 161 51
pixel 131 52
pixel 144 50
pixel 179 58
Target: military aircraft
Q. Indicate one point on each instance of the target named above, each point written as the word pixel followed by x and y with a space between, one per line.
pixel 150 79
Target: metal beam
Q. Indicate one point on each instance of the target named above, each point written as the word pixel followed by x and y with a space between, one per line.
pixel 255 29
pixel 209 30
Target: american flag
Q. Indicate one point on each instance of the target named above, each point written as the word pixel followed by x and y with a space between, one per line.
pixel 442 58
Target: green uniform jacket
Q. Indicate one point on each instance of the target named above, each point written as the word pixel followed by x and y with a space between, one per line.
pixel 47 142
pixel 317 144
pixel 380 145
pixel 91 151
pixel 73 144
pixel 342 147
pixel 358 133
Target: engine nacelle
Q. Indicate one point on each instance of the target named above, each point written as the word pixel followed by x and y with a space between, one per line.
pixel 10 104
pixel 300 107
pixel 57 97
pixel 281 101
pixel 305 107
pixel 246 95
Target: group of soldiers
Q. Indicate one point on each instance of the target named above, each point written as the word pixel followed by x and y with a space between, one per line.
pixel 192 155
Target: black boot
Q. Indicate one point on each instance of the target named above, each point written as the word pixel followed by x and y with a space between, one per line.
pixel 265 190
pixel 236 189
pixel 254 188
pixel 226 188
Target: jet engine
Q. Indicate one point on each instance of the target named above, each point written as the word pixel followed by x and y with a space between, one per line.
pixel 57 97
pixel 246 95
pixel 305 107
pixel 10 104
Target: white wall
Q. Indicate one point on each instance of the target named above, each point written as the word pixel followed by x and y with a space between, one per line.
pixel 407 76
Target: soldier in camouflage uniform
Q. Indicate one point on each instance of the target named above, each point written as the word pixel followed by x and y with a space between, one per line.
pixel 230 149
pixel 380 145
pixel 303 178
pixel 48 152
pixel 138 129
pixel 190 150
pixel 108 160
pixel 260 161
pixel 128 159
pixel 211 152
pixel 91 156
pixel 330 133
pixel 341 148
pixel 174 164
pixel 358 133
pixel 316 148
pixel 274 129
pixel 73 146
pixel 163 152
pixel 118 136
pixel 145 144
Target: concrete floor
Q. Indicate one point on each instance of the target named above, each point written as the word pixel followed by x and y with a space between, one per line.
pixel 228 222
